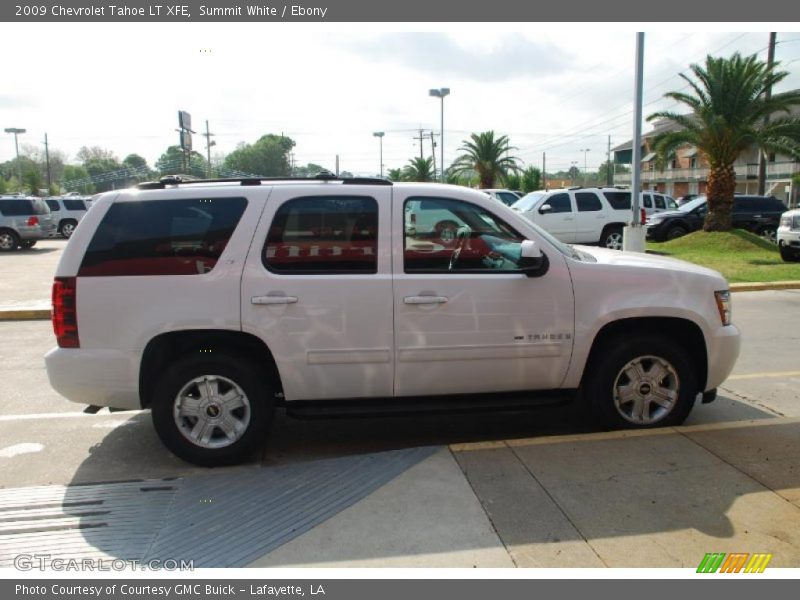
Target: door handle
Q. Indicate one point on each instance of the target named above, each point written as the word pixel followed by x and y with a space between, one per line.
pixel 425 299
pixel 273 300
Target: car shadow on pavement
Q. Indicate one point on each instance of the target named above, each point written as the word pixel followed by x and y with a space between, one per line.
pixel 555 479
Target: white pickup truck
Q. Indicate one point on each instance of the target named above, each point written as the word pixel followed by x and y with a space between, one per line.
pixel 213 302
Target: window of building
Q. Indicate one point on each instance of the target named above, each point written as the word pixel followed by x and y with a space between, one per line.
pixel 323 235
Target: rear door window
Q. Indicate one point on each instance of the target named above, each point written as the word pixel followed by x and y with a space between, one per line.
pixel 647 201
pixel 323 235
pixel 588 202
pixel 162 237
pixel 659 202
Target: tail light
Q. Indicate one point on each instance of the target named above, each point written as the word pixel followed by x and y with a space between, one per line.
pixel 643 217
pixel 65 314
pixel 33 221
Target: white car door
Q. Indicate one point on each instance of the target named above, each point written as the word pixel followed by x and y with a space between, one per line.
pixel 317 286
pixel 466 320
pixel 591 218
pixel 559 219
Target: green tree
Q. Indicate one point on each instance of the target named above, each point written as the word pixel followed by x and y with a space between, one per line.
pixel 3 187
pixel 267 157
pixel 513 181
pixel 419 169
pixel 531 179
pixel 610 167
pixel 32 181
pixel 395 174
pixel 103 167
pixel 172 163
pixel 487 156
pixel 77 179
pixel 728 111
pixel 309 170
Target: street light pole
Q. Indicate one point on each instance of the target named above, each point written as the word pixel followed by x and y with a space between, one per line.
pixel 585 152
pixel 379 135
pixel 16 131
pixel 441 93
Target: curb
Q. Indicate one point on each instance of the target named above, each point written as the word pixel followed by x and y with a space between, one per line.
pixel 38 314
pixel 772 285
pixel 25 314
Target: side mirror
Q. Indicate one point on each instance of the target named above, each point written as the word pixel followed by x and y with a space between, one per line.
pixel 531 260
pixel 545 208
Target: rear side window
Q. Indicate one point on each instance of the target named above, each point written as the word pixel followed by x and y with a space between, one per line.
pixel 323 235
pixel 74 205
pixel 162 237
pixel 619 200
pixel 588 201
pixel 53 204
pixel 647 201
pixel 16 208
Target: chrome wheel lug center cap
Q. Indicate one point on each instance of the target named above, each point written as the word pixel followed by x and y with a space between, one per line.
pixel 645 389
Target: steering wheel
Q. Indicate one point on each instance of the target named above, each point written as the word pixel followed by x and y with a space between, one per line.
pixel 462 237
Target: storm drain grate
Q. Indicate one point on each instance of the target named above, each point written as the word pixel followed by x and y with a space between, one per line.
pixel 216 520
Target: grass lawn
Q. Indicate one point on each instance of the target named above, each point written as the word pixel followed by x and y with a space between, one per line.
pixel 739 255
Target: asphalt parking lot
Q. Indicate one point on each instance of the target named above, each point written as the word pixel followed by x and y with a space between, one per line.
pixel 534 489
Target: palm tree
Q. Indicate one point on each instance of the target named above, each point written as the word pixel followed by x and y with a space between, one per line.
pixel 487 156
pixel 395 174
pixel 729 112
pixel 419 169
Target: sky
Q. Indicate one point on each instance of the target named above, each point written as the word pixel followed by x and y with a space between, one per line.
pixel 558 89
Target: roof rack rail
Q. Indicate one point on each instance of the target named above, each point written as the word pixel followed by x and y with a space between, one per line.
pixel 322 176
pixel 575 187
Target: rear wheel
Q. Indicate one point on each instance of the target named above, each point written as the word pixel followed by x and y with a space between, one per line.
pixel 641 381
pixel 66 228
pixel 8 240
pixel 612 238
pixel 212 411
pixel 675 231
pixel 28 244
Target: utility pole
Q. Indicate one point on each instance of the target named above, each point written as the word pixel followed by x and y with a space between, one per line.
pixel 47 161
pixel 337 165
pixel 544 170
pixel 209 142
pixel 420 138
pixel 17 131
pixel 762 157
pixel 633 236
pixel 433 154
pixel 609 173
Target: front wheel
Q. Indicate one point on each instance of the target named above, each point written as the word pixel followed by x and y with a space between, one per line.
pixel 675 232
pixel 770 234
pixel 67 228
pixel 641 382
pixel 212 411
pixel 789 254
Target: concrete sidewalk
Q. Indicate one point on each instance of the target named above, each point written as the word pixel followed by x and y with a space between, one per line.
pixel 623 499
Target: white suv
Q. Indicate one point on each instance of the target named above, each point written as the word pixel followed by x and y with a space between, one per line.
pixel 788 236
pixel 588 215
pixel 214 302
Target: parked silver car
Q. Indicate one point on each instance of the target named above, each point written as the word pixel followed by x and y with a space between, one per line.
pixel 23 221
pixel 67 212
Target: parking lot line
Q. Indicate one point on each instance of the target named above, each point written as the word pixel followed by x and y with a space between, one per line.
pixel 64 415
pixel 764 374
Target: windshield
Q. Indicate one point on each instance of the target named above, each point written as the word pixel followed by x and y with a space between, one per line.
pixel 692 204
pixel 527 201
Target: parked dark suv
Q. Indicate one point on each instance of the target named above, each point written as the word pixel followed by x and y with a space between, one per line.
pixel 23 221
pixel 759 214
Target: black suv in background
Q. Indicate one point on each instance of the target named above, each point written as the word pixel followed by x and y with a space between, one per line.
pixel 758 214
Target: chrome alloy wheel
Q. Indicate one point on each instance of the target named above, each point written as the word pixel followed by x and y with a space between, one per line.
pixel 211 411
pixel 646 390
pixel 614 240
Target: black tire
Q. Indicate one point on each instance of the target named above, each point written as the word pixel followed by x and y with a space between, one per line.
pixel 612 237
pixel 675 232
pixel 27 244
pixel 789 254
pixel 606 377
pixel 9 240
pixel 181 379
pixel 66 227
pixel 770 234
